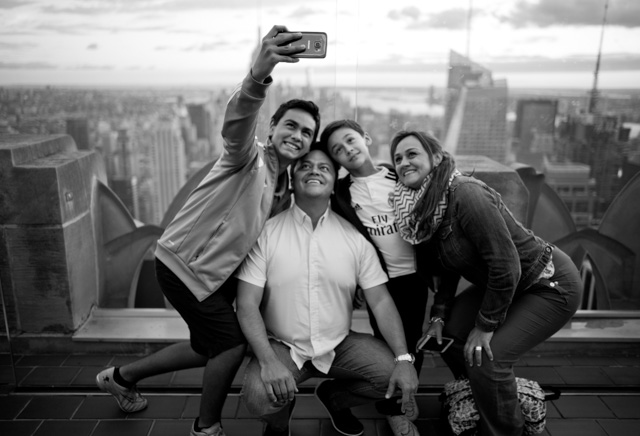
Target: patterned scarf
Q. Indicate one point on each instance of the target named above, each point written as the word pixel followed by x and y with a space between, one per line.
pixel 404 202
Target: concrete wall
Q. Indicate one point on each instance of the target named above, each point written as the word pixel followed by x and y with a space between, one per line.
pixel 48 249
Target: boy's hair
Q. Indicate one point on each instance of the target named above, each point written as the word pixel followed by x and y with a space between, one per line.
pixel 339 124
pixel 306 105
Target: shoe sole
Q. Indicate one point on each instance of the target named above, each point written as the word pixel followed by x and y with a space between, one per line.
pixel 331 417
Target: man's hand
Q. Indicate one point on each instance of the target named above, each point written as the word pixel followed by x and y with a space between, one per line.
pixel 405 378
pixel 278 381
pixel 275 48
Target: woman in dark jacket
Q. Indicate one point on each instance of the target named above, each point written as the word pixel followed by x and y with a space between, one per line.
pixel 522 291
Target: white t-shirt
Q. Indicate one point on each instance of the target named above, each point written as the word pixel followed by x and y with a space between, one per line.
pixel 370 199
pixel 310 278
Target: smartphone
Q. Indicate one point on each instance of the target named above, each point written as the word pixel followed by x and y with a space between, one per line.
pixel 430 343
pixel 315 43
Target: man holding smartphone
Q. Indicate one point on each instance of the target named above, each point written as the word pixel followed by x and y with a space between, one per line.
pixel 213 232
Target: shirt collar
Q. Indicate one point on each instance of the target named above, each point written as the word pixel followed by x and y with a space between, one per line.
pixel 301 216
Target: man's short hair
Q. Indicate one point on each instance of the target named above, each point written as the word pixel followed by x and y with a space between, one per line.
pixel 306 105
pixel 319 146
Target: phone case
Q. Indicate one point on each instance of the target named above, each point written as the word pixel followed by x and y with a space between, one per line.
pixel 316 43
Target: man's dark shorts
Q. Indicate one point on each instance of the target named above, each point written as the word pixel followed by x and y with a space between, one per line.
pixel 213 324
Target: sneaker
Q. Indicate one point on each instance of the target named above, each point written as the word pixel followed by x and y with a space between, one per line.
pixel 343 420
pixel 401 426
pixel 129 400
pixel 411 410
pixel 214 430
pixel 270 431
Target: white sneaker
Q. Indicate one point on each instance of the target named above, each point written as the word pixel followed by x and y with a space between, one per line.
pixel 129 400
pixel 214 430
pixel 401 426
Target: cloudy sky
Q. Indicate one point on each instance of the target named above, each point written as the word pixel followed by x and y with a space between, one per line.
pixel 531 43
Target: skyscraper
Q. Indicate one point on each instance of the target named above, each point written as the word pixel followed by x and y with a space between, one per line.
pixel 534 130
pixel 476 110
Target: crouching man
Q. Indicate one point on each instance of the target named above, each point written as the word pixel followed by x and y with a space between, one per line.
pixel 295 295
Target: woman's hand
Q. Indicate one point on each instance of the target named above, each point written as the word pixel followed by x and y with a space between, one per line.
pixel 434 329
pixel 477 342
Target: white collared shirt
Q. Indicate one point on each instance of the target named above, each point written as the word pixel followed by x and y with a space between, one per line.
pixel 309 278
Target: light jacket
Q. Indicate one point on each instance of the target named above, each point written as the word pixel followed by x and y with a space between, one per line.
pixel 223 217
pixel 480 240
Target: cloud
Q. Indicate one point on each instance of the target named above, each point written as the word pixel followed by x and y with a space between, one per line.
pixel 10 4
pixel 204 47
pixel 27 66
pixel 58 28
pixel 16 45
pixel 449 19
pixel 411 12
pixel 88 67
pixel 92 46
pixel 545 13
pixel 303 12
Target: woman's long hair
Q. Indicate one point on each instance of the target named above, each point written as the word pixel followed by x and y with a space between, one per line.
pixel 426 205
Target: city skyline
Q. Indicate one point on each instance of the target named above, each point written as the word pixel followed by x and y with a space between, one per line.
pixel 532 44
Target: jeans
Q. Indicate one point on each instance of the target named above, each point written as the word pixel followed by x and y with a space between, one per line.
pixel 363 362
pixel 536 314
pixel 410 294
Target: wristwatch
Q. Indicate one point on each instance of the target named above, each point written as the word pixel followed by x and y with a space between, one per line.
pixel 405 358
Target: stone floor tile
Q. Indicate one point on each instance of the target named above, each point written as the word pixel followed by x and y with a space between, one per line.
pixel 326 428
pixel 242 427
pixel 42 360
pixel 437 376
pixel 620 427
pixel 542 360
pixel 171 427
pixel 575 427
pixel 188 377
pixel 304 427
pixel 628 361
pixel 66 428
pixel 623 376
pixel 99 360
pixel 7 374
pixel 584 375
pixel 50 376
pixel 192 407
pixel 19 428
pixel 161 407
pixel 99 407
pixel 12 405
pixel 582 407
pixel 623 406
pixel 121 360
pixel 123 428
pixel 543 375
pixel 552 411
pixel 5 359
pixel 593 361
pixel 86 377
pixel 48 407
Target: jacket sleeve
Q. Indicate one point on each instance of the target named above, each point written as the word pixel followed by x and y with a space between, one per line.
pixel 240 120
pixel 483 224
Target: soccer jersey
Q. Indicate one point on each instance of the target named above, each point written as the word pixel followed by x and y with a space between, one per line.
pixel 370 199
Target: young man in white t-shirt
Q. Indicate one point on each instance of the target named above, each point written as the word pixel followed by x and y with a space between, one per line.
pixel 362 197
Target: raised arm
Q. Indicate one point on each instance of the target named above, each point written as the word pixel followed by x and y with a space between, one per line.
pixel 277 379
pixel 238 129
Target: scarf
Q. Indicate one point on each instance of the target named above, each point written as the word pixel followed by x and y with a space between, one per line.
pixel 404 202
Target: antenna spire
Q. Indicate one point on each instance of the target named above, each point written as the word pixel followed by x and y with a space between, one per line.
pixel 593 99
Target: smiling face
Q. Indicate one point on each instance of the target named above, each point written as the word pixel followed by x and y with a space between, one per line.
pixel 313 176
pixel 292 135
pixel 350 149
pixel 412 162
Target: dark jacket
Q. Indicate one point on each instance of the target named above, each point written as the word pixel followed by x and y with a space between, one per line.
pixel 479 239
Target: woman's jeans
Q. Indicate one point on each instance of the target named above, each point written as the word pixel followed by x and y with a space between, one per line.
pixel 363 364
pixel 534 315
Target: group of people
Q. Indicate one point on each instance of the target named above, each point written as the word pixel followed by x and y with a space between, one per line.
pixel 273 230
